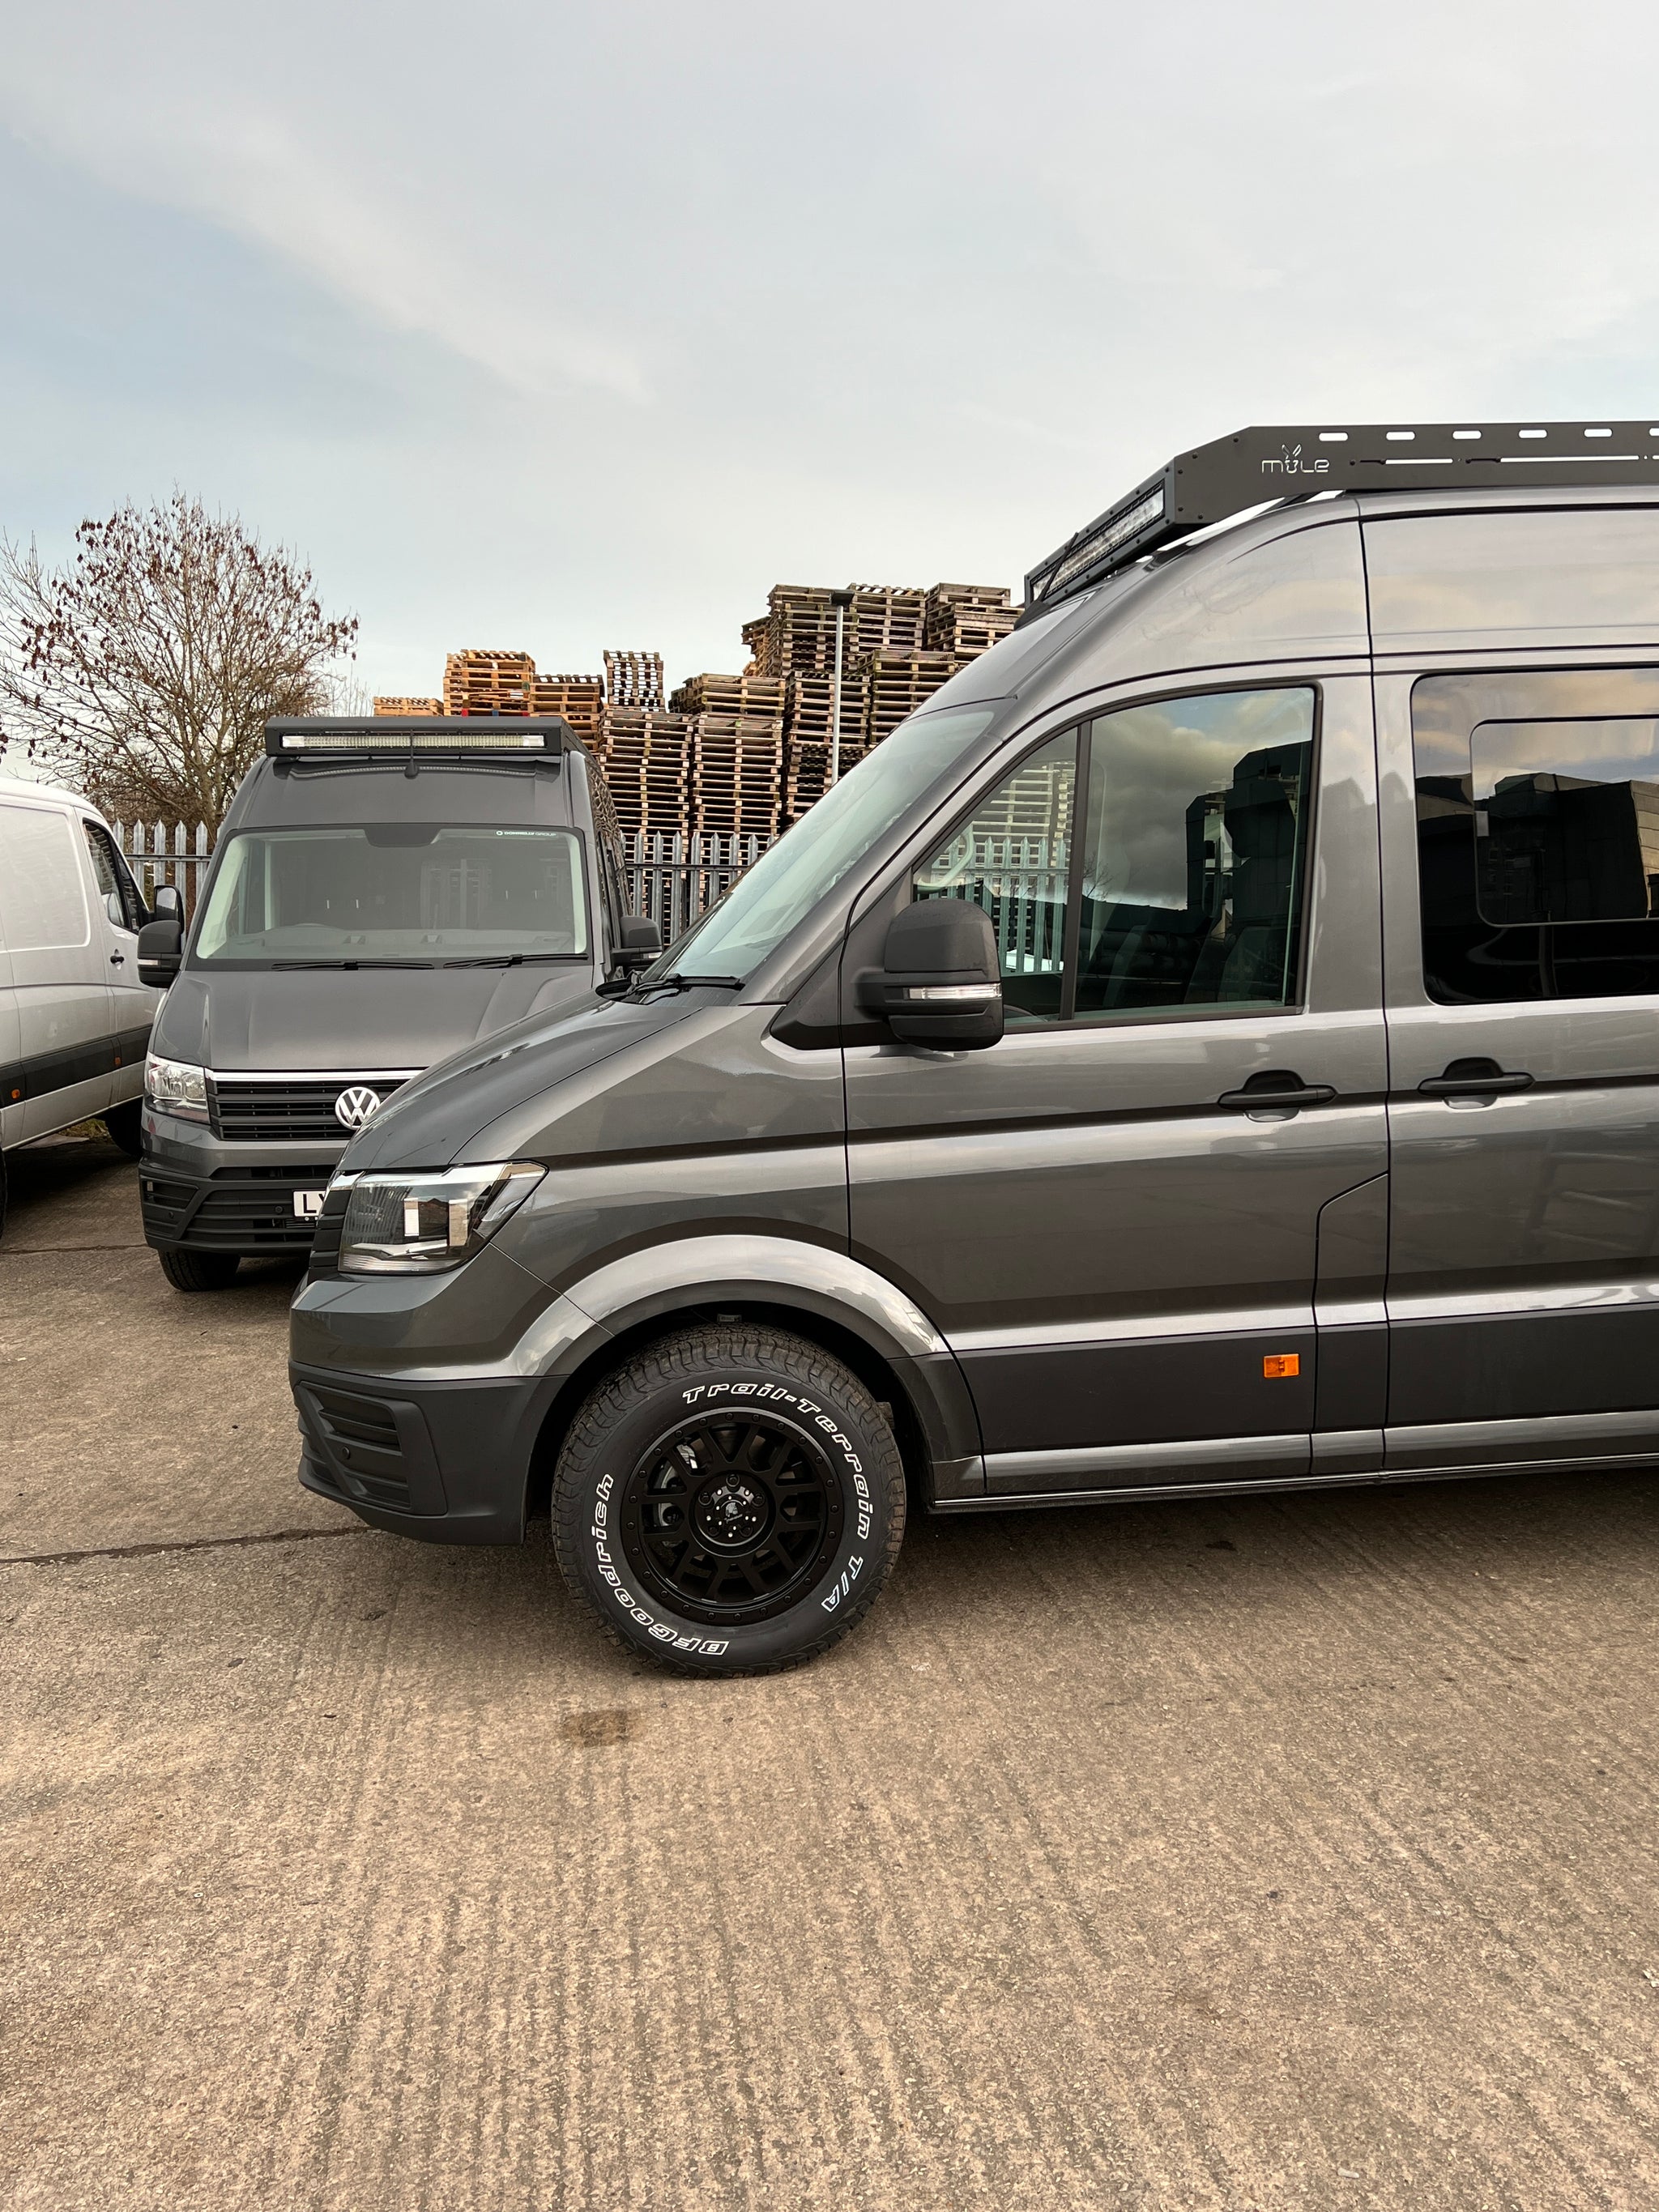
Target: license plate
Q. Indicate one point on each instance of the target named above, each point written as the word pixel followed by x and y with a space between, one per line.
pixel 307 1204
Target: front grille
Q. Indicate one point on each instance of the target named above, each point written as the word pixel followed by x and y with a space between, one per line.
pixel 269 1110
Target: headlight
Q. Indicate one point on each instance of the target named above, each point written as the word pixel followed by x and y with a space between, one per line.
pixel 416 1224
pixel 173 1086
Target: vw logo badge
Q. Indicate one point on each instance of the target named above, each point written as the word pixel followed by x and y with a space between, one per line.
pixel 354 1107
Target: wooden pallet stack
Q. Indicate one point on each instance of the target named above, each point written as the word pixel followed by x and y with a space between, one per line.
pixel 895 684
pixel 807 749
pixel 635 679
pixel 966 620
pixel 737 775
pixel 407 707
pixel 797 633
pixel 483 682
pixel 736 725
pixel 646 759
pixel 580 699
pixel 750 698
pixel 883 618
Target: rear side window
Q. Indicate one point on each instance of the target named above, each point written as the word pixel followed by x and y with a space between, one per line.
pixel 1538 835
pixel 43 905
pixel 1152 862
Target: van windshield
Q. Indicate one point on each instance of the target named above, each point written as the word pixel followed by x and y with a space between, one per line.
pixel 788 880
pixel 404 893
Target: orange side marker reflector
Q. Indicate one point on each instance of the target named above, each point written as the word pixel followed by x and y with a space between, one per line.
pixel 1281 1363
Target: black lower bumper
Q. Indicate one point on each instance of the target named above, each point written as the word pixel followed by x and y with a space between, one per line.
pixel 246 1210
pixel 448 1462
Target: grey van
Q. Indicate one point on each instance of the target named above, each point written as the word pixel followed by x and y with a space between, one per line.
pixel 1215 1046
pixel 382 893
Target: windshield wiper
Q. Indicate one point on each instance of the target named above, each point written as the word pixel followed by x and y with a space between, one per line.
pixel 678 982
pixel 507 959
pixel 354 963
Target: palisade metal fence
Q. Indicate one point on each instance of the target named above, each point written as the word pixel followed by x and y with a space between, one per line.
pixel 159 855
pixel 672 880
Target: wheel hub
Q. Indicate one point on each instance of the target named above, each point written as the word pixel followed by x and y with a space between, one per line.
pixel 730 1513
pixel 732 1516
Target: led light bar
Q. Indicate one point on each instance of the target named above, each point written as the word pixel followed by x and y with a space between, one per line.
pixel 406 733
pixel 1257 467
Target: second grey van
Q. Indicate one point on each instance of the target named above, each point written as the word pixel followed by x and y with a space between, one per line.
pixel 383 892
pixel 1215 1046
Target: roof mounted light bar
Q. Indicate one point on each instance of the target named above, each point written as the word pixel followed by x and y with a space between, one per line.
pixel 1256 467
pixel 403 734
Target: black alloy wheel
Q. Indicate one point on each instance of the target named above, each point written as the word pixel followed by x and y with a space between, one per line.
pixel 728 1515
pixel 729 1500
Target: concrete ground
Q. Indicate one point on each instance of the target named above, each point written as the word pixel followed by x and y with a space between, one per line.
pixel 1259 1854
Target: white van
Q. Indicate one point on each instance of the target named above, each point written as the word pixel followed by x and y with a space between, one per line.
pixel 75 1019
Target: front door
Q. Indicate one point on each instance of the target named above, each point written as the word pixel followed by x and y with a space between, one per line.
pixel 118 917
pixel 1114 1216
pixel 1524 974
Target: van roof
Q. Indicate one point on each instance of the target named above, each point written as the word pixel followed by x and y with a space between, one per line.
pixel 22 786
pixel 1232 476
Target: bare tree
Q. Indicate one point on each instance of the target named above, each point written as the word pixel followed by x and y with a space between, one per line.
pixel 145 669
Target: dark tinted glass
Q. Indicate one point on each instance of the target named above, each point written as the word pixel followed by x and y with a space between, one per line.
pixel 1538 835
pixel 1013 856
pixel 1194 851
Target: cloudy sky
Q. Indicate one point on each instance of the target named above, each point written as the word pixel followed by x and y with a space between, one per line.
pixel 568 327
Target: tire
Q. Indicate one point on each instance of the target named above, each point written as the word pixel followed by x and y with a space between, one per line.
pixel 199 1271
pixel 125 1125
pixel 795 1484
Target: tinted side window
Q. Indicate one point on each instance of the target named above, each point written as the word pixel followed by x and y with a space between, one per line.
pixel 1538 835
pixel 1194 853
pixel 1013 856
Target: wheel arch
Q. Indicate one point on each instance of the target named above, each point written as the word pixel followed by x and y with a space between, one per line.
pixel 811 1291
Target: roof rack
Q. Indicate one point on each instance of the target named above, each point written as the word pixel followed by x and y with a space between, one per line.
pixel 293 739
pixel 1228 476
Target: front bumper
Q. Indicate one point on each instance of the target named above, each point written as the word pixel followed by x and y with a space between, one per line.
pixel 198 1193
pixel 245 1210
pixel 448 1462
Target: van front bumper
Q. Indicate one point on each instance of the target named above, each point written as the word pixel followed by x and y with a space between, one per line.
pixel 198 1192
pixel 448 1462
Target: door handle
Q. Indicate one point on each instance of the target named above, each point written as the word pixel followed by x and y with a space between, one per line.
pixel 1277 1087
pixel 1475 1079
pixel 118 959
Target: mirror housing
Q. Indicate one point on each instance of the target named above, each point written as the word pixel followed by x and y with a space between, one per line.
pixel 640 942
pixel 940 984
pixel 161 948
pixel 169 904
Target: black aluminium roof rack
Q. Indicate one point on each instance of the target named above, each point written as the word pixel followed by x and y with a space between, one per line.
pixel 1257 466
pixel 400 735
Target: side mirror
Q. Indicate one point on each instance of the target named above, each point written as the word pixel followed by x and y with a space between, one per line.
pixel 940 982
pixel 640 944
pixel 169 905
pixel 161 948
